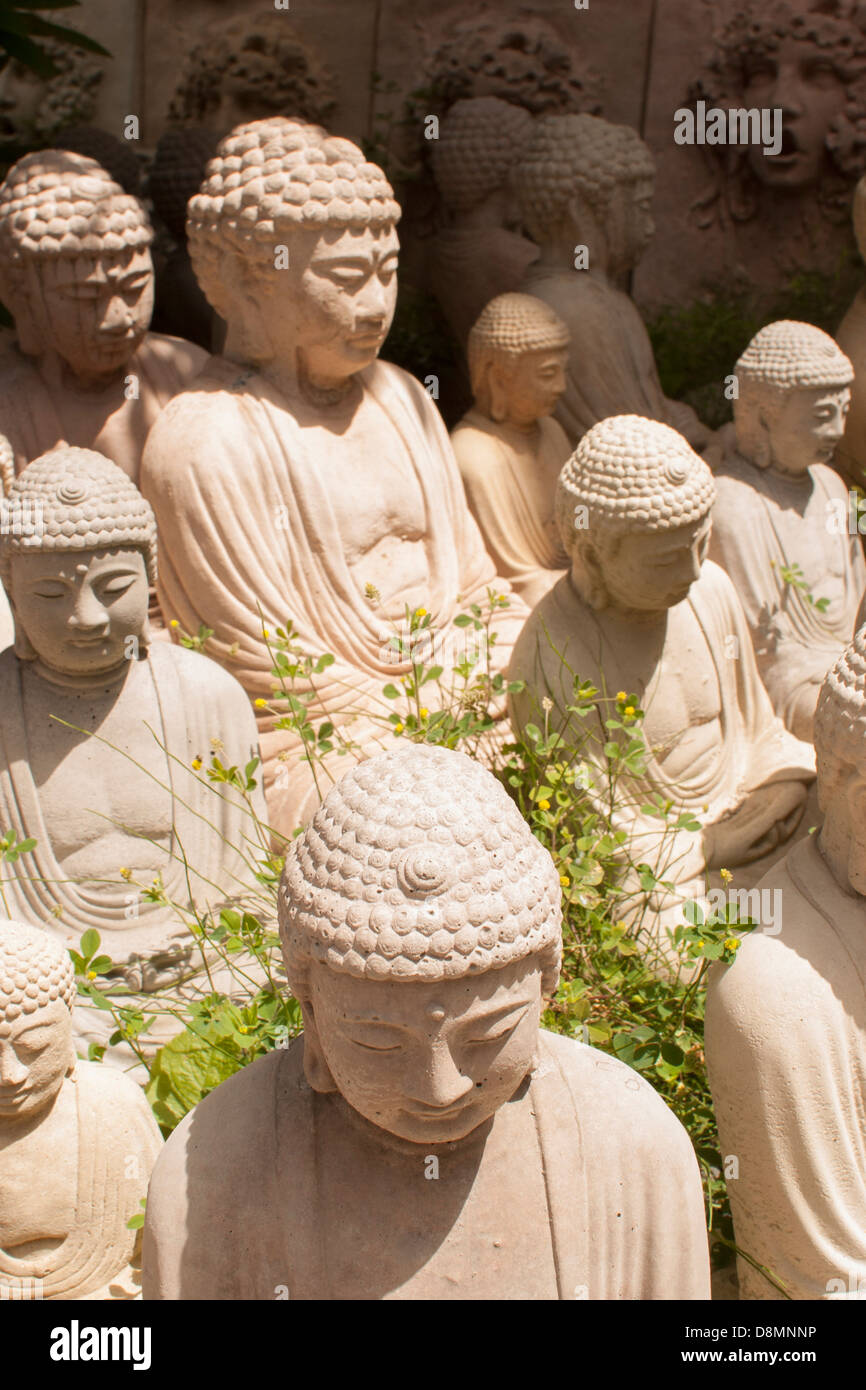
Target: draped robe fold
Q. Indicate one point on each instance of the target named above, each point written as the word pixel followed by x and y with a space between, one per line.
pixel 235 1209
pixel 249 536
pixel 786 1052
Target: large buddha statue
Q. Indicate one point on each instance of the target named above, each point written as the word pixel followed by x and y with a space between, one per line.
pixel 422 1139
pixel 585 189
pixel 786 1035
pixel 479 254
pixel 77 1140
pixel 101 731
pixel 642 614
pixel 781 515
pixel 76 273
pixel 850 457
pixel 509 449
pixel 300 474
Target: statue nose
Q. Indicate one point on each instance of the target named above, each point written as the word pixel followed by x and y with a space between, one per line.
pixel 443 1083
pixel 12 1071
pixel 88 611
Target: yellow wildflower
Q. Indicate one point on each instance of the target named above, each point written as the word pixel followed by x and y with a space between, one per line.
pixel 196 762
pixel 620 695
pixel 564 880
pixel 91 974
pixel 260 703
pixel 700 943
pixel 544 804
pixel 126 873
pixel 420 612
pixel 628 711
pixel 398 728
pixel 174 623
pixel 423 711
pixel 726 875
pixel 732 943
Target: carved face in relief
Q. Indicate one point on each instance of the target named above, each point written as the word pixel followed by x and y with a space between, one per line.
pixel 93 311
pixel 428 1062
pixel 36 1053
pixel 629 226
pixel 806 427
pixel 805 83
pixel 77 608
pixel 648 571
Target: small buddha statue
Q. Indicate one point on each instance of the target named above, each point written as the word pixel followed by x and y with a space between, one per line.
pixel 480 253
pixel 338 466
pixel 423 1139
pixel 643 613
pixel 101 731
pixel 76 273
pixel 77 1140
pixel 509 449
pixel 786 1035
pixel 585 190
pixel 850 458
pixel 780 519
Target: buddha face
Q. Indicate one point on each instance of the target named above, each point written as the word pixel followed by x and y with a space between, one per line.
pixel 92 311
pixel 806 428
pixel 78 607
pixel 426 1062
pixel 36 1053
pixel 529 389
pixel 810 91
pixel 629 224
pixel 649 571
pixel 333 306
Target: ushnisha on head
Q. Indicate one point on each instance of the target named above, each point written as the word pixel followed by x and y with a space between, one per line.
pixel 840 754
pixel 281 183
pixel 518 352
pixel 77 554
pixel 75 265
pixel 421 926
pixel 633 508
pixel 581 174
pixel 793 386
pixel 479 140
pixel 37 994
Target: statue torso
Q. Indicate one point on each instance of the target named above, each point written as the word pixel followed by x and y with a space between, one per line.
pixel 35 1217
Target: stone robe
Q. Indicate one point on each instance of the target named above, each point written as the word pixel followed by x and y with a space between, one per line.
pixel 269 1185
pixel 512 497
pixel 763 523
pixel 248 533
pixel 755 752
pixel 116 1142
pixel 786 1051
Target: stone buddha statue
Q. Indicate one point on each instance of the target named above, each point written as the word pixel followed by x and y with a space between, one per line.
pixel 643 612
pixel 77 1140
pixel 76 273
pixel 422 1139
pixel 585 190
pixel 786 1035
pixel 101 730
pixel 479 254
pixel 509 449
pixel 850 457
pixel 781 513
pixel 300 473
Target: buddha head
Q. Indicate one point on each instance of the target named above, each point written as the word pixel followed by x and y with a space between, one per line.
pixel 794 391
pixel 293 239
pixel 479 140
pixel 633 508
pixel 840 755
pixel 75 265
pixel 420 922
pixel 37 994
pixel 585 181
pixel 518 353
pixel 77 554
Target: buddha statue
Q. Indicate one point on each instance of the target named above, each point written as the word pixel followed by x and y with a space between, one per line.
pixel 76 273
pixel 77 1140
pixel 850 459
pixel 101 732
pixel 423 1139
pixel 780 519
pixel 509 449
pixel 300 474
pixel 479 254
pixel 643 613
pixel 786 1035
pixel 585 190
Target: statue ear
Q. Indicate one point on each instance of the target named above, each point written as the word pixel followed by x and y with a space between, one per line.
pixel 498 387
pixel 589 576
pixel 316 1069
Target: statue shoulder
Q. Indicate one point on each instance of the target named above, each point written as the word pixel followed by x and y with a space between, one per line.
pixel 477 446
pixel 184 358
pixel 201 675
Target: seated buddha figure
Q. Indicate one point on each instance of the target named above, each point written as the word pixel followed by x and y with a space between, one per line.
pixel 786 1035
pixel 423 1138
pixel 77 275
pixel 299 474
pixel 509 449
pixel 780 519
pixel 642 613
pixel 585 190
pixel 77 1140
pixel 101 728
